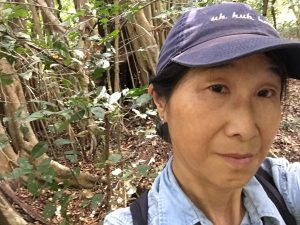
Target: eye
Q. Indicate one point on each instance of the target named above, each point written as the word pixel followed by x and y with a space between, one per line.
pixel 219 88
pixel 267 93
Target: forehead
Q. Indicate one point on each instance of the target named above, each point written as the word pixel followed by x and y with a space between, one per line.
pixel 257 64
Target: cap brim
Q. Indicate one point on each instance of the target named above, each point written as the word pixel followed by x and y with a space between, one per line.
pixel 224 49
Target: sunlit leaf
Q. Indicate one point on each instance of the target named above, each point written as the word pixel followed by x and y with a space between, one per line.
pixel 116 172
pixel 103 63
pixel 131 190
pixel 114 98
pixel 19 11
pixel 136 92
pixel 26 75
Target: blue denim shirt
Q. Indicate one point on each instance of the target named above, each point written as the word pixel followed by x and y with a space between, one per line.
pixel 168 205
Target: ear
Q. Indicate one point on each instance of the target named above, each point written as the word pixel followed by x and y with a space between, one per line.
pixel 160 103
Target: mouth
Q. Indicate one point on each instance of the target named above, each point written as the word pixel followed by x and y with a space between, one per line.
pixel 238 160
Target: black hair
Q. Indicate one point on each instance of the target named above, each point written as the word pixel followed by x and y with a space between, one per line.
pixel 165 82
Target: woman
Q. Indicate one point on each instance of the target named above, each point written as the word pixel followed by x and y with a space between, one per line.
pixel 220 79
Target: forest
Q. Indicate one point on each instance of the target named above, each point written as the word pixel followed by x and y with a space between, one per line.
pixel 77 131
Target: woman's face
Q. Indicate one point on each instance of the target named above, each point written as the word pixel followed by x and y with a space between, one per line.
pixel 222 121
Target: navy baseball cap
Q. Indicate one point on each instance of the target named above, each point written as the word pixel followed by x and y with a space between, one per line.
pixel 214 35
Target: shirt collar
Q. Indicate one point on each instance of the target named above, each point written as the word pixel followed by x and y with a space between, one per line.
pixel 258 204
pixel 175 208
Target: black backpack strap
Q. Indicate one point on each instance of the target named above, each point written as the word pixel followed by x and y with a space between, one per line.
pixel 270 188
pixel 139 209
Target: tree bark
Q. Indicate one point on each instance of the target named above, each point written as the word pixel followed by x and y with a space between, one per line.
pixel 37 28
pixel 47 13
pixel 14 100
pixel 144 45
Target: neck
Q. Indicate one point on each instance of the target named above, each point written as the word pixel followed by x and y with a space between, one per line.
pixel 221 206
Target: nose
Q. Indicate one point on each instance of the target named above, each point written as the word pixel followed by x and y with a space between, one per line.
pixel 241 122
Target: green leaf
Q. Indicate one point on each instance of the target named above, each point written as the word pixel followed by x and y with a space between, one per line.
pixel 85 203
pixel 5 79
pixel 49 175
pixel 35 116
pixel 142 100
pixel 53 185
pixel 115 158
pixel 143 169
pixel 71 155
pixel 104 20
pixel 77 116
pixel 98 112
pixel 58 127
pixel 19 11
pixel 136 92
pixel 25 165
pixel 97 198
pixel 25 131
pixel 33 186
pixel 76 171
pixel 66 83
pixel 62 47
pixel 3 141
pixel 49 210
pixel 98 73
pixel 44 166
pixel 65 221
pixel 62 141
pixel 39 149
pixel 64 200
pixel 15 174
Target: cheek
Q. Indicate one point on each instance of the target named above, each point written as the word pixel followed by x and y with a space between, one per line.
pixel 191 123
pixel 269 123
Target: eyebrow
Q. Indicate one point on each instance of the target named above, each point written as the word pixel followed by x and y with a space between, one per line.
pixel 277 70
pixel 223 65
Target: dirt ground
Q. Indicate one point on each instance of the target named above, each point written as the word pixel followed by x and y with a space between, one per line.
pixel 138 145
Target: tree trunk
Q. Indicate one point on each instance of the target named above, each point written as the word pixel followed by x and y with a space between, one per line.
pixel 14 104
pixel 37 28
pixel 50 20
pixel 144 45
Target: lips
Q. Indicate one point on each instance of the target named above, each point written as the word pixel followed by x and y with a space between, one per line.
pixel 238 160
pixel 237 156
